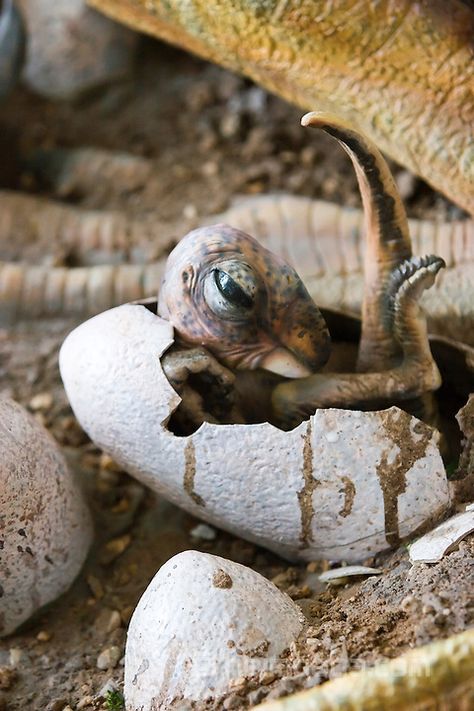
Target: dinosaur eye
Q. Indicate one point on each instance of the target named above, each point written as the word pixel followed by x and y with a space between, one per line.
pixel 231 290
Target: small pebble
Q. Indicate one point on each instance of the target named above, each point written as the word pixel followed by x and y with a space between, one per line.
pixel 16 655
pixel 115 621
pixel 308 155
pixel 190 211
pixel 109 658
pixel 41 401
pixel 107 463
pixel 43 636
pixel 229 125
pixel 203 532
pixel 96 587
pixel 85 702
pixel 233 702
pixel 299 592
pixel 114 548
pixel 267 677
pixel 126 613
pixel 57 705
pixel 256 696
pixel 8 676
pixel 210 169
pixel 409 603
pixel 110 685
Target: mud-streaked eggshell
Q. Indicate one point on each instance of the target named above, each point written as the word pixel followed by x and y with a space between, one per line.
pixel 202 622
pixel 45 526
pixel 342 485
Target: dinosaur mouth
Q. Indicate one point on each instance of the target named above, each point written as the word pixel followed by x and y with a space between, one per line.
pixel 282 362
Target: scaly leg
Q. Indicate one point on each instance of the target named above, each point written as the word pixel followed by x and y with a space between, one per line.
pixel 180 365
pixel 416 374
pixel 387 240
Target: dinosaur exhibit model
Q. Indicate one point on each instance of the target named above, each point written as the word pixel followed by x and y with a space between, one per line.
pixel 281 374
pixel 400 72
pixel 158 389
pixel 223 291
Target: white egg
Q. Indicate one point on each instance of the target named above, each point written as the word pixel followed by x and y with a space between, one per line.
pixel 342 485
pixel 45 527
pixel 202 623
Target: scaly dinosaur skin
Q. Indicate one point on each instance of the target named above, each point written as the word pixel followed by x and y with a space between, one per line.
pixel 400 72
pixel 224 291
pixel 250 309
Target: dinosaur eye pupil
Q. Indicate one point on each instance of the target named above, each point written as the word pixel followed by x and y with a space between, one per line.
pixel 231 290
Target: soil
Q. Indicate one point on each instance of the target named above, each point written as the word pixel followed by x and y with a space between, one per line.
pixel 212 136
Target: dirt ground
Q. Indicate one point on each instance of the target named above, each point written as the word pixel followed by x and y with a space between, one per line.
pixel 212 136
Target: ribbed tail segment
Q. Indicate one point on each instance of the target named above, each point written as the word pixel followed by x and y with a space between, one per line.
pixel 32 292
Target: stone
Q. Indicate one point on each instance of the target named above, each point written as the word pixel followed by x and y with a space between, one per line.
pixel 109 658
pixel 72 48
pixel 343 485
pixel 191 635
pixel 46 527
pixel 11 46
pixel 203 532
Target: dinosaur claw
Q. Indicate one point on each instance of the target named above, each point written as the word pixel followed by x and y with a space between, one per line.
pixel 413 276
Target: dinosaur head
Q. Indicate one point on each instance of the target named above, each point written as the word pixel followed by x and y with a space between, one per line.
pixel 224 291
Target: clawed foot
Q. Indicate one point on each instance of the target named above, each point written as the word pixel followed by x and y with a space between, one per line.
pixel 417 373
pixel 205 386
pixel 407 282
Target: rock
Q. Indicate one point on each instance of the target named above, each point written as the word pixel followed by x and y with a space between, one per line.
pixel 109 658
pixel 341 486
pixel 203 622
pixel 41 401
pixel 46 528
pixel 72 49
pixel 43 636
pixel 11 46
pixel 202 532
pixel 115 621
pixel 114 548
pixel 109 687
pixel 8 677
pixel 60 704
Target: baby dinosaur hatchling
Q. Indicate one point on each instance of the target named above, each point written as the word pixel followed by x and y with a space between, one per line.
pixel 236 307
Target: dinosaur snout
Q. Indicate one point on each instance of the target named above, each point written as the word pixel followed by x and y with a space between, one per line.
pixel 304 343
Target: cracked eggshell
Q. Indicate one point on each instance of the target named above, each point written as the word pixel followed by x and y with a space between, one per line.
pixel 45 527
pixel 202 622
pixel 343 485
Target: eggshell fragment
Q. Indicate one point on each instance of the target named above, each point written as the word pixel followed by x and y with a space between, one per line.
pixel 348 571
pixel 203 622
pixel 431 547
pixel 45 527
pixel 343 485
